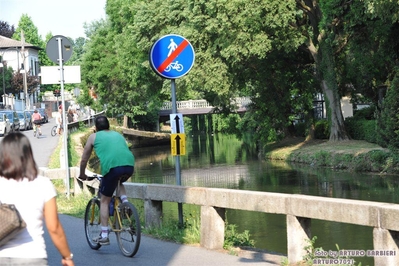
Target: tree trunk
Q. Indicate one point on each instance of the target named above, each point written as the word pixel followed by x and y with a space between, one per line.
pixel 320 47
pixel 328 78
pixel 337 126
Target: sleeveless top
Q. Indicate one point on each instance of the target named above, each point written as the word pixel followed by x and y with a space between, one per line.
pixel 112 150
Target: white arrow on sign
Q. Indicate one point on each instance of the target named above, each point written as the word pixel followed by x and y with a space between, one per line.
pixel 176 123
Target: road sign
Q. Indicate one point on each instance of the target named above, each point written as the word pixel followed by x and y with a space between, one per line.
pixel 178 144
pixel 52 48
pixel 176 123
pixel 50 75
pixel 172 56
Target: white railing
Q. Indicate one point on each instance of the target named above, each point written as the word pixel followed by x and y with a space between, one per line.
pixel 193 104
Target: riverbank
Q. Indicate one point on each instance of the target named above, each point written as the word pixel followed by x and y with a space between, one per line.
pixel 351 155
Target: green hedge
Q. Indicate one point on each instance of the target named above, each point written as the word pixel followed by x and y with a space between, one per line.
pixel 361 129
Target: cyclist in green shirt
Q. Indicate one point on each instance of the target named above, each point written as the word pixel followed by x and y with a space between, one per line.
pixel 116 160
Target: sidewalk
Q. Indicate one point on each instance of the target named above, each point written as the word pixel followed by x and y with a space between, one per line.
pixel 152 252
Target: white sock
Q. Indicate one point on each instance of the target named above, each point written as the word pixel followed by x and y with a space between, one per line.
pixel 104 231
pixel 124 198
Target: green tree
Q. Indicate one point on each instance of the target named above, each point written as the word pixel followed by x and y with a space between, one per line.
pixel 388 122
pixel 30 31
pixel 252 48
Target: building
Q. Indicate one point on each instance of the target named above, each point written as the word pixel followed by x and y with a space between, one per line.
pixel 22 57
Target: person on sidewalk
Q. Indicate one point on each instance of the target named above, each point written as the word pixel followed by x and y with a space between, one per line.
pixel 35 198
pixel 116 160
pixel 58 120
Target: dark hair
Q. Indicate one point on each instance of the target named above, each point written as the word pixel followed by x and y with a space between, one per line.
pixel 101 123
pixel 16 158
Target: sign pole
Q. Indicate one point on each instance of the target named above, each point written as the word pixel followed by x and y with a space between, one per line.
pixel 64 124
pixel 177 166
pixel 172 57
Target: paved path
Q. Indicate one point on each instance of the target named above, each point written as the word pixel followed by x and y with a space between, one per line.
pixel 43 147
pixel 152 251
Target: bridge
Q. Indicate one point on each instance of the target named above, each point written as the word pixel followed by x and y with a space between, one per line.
pixel 200 107
pixel 299 210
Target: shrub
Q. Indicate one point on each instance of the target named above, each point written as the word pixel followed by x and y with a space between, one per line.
pixel 367 113
pixel 322 130
pixel 361 129
pixel 300 130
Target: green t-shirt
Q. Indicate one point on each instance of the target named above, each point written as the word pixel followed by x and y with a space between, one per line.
pixel 112 150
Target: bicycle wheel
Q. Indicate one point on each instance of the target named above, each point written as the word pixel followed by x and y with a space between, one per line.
pixel 54 131
pixel 93 223
pixel 129 235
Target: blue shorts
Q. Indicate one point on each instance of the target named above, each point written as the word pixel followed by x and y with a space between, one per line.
pixel 109 182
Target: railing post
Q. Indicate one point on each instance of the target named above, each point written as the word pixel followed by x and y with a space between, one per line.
pixel 153 213
pixel 298 235
pixel 385 241
pixel 212 227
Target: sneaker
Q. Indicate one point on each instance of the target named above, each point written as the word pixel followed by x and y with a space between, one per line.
pixel 40 133
pixel 34 133
pixel 103 241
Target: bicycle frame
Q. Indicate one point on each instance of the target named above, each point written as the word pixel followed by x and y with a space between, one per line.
pixel 35 126
pixel 112 219
pixel 125 223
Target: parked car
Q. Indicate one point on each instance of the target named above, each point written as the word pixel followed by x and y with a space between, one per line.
pixel 5 126
pixel 12 116
pixel 29 115
pixel 44 115
pixel 23 120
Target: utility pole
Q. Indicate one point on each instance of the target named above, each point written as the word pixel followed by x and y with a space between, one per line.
pixel 25 69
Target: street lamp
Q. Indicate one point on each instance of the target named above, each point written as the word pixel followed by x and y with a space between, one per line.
pixel 4 85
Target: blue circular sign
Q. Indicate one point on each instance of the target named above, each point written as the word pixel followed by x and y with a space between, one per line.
pixel 172 56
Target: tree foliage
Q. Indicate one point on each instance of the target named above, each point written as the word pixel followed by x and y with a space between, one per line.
pixel 388 122
pixel 279 53
pixel 30 31
pixel 6 29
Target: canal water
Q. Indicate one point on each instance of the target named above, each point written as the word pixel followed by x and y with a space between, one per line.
pixel 223 161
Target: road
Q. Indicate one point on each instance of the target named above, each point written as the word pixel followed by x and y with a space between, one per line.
pixel 43 147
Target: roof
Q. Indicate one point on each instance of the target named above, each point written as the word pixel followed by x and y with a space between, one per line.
pixel 11 43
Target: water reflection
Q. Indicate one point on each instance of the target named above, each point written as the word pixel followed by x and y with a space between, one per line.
pixel 222 161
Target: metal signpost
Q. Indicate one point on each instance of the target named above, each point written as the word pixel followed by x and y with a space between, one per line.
pixel 172 57
pixel 59 50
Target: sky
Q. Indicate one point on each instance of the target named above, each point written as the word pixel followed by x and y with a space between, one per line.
pixel 64 18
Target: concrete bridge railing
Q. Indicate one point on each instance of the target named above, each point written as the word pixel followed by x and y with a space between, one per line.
pixel 192 104
pixel 299 211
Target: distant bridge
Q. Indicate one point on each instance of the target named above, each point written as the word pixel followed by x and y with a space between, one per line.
pixel 198 107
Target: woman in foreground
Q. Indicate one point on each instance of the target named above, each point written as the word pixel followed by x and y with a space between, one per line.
pixel 34 197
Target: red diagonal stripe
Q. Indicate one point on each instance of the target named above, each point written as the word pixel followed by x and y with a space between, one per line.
pixel 172 57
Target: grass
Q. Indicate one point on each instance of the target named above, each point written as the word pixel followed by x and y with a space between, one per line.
pixel 352 155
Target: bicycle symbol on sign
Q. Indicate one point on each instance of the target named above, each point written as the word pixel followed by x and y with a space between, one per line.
pixel 175 66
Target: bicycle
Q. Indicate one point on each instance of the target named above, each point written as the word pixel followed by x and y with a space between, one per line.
pixel 36 130
pixel 124 222
pixel 54 131
pixel 174 65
